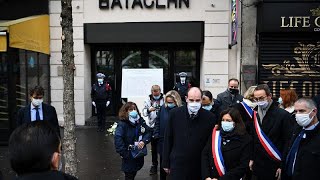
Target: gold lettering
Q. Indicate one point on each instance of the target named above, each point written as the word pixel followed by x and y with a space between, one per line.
pixel 292 84
pixel 304 87
pixel 316 87
pixel 297 20
pixel 283 21
pixel 306 21
pixel 283 82
pixel 317 21
pixel 291 21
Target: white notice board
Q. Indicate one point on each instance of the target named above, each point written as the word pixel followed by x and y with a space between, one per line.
pixel 138 82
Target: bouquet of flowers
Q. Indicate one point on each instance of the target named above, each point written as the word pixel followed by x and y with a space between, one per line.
pixel 112 129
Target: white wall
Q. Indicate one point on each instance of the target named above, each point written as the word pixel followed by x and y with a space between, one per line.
pixel 217 62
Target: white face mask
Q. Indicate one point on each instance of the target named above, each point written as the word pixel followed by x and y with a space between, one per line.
pixel 262 104
pixel 194 107
pixel 304 119
pixel 227 126
pixel 183 80
pixel 37 102
pixel 100 81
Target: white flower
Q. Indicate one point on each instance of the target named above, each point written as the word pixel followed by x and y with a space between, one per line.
pixel 112 129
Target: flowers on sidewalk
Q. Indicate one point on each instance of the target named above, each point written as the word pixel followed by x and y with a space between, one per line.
pixel 112 129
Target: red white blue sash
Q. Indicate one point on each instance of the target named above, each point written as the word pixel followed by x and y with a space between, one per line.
pixel 247 108
pixel 266 143
pixel 216 152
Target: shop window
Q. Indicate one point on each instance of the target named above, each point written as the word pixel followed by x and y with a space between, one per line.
pixel 4 115
pixel 131 59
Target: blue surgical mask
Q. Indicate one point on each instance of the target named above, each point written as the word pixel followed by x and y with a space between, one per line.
pixel 227 126
pixel 100 81
pixel 171 105
pixel 156 97
pixel 208 107
pixel 133 114
pixel 280 100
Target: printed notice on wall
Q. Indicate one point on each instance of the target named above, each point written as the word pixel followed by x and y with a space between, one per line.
pixel 138 82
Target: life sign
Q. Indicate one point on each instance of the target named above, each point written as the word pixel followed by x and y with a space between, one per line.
pixel 148 4
pixel 300 22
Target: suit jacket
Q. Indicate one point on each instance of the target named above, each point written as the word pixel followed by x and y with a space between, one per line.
pixel 184 141
pixel 226 101
pixel 308 156
pixel 277 124
pixel 49 114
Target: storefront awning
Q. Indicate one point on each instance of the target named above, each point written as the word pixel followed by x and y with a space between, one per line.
pixel 30 33
pixel 3 41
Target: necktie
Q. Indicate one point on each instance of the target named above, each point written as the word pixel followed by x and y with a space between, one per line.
pixel 37 114
pixel 192 116
pixel 293 153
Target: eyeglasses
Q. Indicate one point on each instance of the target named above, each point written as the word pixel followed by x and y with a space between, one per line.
pixel 259 98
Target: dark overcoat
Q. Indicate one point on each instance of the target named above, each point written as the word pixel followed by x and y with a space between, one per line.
pixel 184 141
pixel 278 126
pixel 236 153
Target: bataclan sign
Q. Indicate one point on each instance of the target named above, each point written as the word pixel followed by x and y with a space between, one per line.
pixel 148 4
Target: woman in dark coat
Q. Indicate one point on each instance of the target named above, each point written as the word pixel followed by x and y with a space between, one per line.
pixel 210 104
pixel 171 101
pixel 235 145
pixel 131 132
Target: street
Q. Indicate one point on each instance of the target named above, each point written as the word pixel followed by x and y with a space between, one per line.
pixel 97 158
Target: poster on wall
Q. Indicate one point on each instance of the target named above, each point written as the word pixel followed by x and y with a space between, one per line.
pixel 138 82
pixel 234 22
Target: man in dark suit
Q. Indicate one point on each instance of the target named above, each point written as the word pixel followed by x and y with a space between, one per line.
pixel 316 99
pixel 187 132
pixel 231 96
pixel 276 124
pixel 37 110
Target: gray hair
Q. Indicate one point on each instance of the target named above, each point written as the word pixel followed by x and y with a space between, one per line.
pixel 309 103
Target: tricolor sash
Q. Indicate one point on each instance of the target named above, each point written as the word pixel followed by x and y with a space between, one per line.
pixel 247 108
pixel 216 152
pixel 266 143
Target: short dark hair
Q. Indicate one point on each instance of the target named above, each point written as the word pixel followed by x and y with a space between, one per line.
pixel 233 79
pixel 31 147
pixel 208 94
pixel 263 87
pixel 239 126
pixel 38 90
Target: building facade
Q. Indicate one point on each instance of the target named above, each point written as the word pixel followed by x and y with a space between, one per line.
pixel 176 35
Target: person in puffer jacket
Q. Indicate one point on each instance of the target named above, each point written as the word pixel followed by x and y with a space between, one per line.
pixel 131 133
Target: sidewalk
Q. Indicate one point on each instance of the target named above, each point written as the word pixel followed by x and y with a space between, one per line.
pixel 97 158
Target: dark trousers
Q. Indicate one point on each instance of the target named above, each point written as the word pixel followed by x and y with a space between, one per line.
pixel 163 174
pixel 129 175
pixel 154 152
pixel 101 114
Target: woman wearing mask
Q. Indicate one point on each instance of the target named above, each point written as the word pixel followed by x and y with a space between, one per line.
pixel 172 100
pixel 227 153
pixel 246 107
pixel 210 104
pixel 287 99
pixel 131 133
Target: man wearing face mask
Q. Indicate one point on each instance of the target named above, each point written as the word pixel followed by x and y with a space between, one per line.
pixel 303 155
pixel 151 108
pixel 37 110
pixel 272 128
pixel 182 86
pixel 186 134
pixel 101 96
pixel 231 96
pixel 35 152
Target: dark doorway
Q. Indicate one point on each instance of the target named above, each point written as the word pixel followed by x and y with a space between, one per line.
pixel 20 70
pixel 173 58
